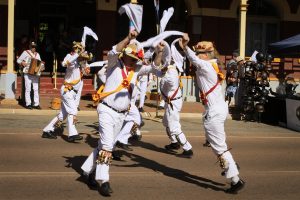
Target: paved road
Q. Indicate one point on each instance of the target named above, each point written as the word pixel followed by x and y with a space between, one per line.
pixel 35 168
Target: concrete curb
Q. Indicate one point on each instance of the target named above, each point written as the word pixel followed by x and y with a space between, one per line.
pixel 42 112
pixel 146 115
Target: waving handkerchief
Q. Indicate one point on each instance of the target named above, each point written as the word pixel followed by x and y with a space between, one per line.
pixel 87 31
pixel 135 14
pixel 153 42
pixel 98 63
pixel 177 57
pixel 165 19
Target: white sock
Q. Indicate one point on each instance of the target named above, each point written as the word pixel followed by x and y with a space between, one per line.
pixel 235 179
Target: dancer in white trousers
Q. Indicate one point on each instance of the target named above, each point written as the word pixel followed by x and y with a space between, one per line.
pixel 24 61
pixel 130 128
pixel 78 95
pixel 171 94
pixel 68 94
pixel 132 121
pixel 216 109
pixel 122 71
pixel 142 89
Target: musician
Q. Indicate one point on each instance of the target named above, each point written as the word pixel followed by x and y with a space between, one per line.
pixel 73 62
pixel 24 61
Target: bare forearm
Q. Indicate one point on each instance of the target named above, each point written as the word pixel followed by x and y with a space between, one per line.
pixel 121 45
pixel 158 58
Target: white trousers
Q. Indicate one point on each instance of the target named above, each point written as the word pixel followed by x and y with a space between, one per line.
pixel 68 110
pixel 214 119
pixel 34 80
pixel 132 117
pixel 143 90
pixel 78 95
pixel 171 121
pixel 110 123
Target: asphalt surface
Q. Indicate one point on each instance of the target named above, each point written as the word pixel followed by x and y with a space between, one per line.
pixel 35 168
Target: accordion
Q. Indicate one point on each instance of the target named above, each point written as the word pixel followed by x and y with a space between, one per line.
pixel 35 67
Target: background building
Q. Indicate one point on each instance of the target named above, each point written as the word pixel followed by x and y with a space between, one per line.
pixel 54 24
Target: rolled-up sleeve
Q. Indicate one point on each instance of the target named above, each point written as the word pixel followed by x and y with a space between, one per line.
pixel 22 57
pixel 69 60
pixel 197 62
pixel 112 57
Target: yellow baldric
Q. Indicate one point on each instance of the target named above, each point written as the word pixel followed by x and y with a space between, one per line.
pixel 69 85
pixel 221 76
pixel 99 95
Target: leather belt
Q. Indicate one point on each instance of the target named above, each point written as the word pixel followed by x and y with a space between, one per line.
pixel 124 111
pixel 176 98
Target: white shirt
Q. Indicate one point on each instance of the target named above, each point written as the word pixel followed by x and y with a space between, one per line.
pixel 169 82
pixel 72 69
pixel 206 77
pixel 26 56
pixel 119 100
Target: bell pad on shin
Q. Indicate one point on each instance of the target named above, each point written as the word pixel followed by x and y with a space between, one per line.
pixel 222 162
pixel 104 157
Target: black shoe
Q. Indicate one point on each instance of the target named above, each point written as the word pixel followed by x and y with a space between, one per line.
pixel 28 107
pixel 90 181
pixel 136 137
pixel 49 134
pixel 186 154
pixel 206 144
pixel 116 156
pixel 123 146
pixel 74 137
pixel 173 146
pixel 37 107
pixel 141 109
pixel 105 189
pixel 234 188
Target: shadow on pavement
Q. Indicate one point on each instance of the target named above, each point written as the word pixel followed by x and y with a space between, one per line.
pixel 75 163
pixel 172 172
pixel 152 147
pixel 91 141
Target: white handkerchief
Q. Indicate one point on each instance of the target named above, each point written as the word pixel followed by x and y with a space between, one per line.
pixel 135 14
pixel 88 31
pixel 153 42
pixel 177 57
pixel 98 63
pixel 165 19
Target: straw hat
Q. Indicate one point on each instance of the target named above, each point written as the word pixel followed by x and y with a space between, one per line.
pixel 204 47
pixel 77 45
pixel 239 59
pixel 133 51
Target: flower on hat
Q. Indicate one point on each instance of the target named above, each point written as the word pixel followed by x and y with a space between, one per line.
pixel 131 50
pixel 141 54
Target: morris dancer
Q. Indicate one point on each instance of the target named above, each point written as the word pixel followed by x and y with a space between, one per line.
pixel 123 65
pixel 171 93
pixel 216 109
pixel 68 93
